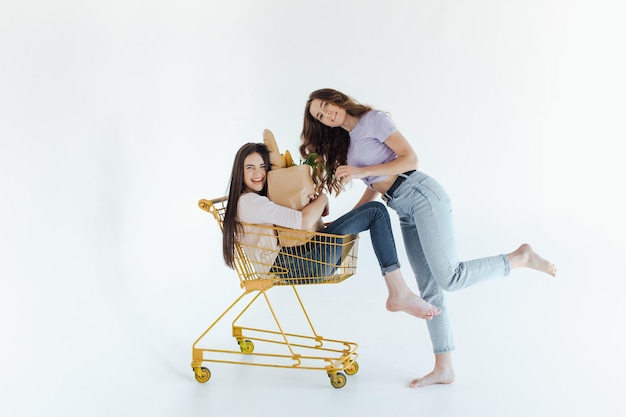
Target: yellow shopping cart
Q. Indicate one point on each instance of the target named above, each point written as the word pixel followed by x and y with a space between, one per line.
pixel 334 262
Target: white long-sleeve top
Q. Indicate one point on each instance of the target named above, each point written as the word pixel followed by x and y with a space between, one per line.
pixel 261 245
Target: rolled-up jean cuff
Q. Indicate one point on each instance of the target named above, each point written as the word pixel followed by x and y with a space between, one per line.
pixel 444 350
pixel 507 265
pixel 390 268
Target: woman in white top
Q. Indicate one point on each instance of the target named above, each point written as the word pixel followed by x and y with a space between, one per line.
pixel 248 203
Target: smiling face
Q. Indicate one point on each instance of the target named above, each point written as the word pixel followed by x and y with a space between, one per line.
pixel 254 173
pixel 327 113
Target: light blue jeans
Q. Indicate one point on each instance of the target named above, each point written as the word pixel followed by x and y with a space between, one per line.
pixel 425 213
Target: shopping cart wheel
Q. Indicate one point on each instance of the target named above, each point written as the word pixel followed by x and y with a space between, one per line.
pixel 352 369
pixel 246 346
pixel 338 380
pixel 202 374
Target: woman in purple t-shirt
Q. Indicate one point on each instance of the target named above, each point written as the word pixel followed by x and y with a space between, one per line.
pixel 356 141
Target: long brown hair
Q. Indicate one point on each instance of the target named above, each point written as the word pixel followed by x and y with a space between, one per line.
pixel 231 227
pixel 330 144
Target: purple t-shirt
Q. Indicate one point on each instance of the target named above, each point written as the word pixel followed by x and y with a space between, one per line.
pixel 367 143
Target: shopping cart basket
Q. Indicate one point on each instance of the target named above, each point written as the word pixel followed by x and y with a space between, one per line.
pixel 334 261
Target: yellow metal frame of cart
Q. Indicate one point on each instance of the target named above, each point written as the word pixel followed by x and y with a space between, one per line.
pixel 298 351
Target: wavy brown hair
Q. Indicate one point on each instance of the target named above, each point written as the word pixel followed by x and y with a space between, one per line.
pixel 231 227
pixel 330 144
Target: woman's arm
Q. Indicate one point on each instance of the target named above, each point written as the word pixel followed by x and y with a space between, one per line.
pixel 406 161
pixel 312 213
pixel 257 209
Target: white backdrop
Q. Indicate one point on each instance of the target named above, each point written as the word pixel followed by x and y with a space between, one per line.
pixel 117 116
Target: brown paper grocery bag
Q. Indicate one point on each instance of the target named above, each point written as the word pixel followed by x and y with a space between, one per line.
pixel 291 187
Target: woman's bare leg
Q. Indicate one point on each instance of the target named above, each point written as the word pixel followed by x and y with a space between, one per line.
pixel 442 374
pixel 401 298
pixel 525 256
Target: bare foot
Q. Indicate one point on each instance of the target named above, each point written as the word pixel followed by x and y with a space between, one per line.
pixel 413 305
pixel 525 256
pixel 443 373
pixel 437 376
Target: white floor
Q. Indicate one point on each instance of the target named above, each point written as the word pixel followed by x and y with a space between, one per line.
pixel 526 346
pixel 117 116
